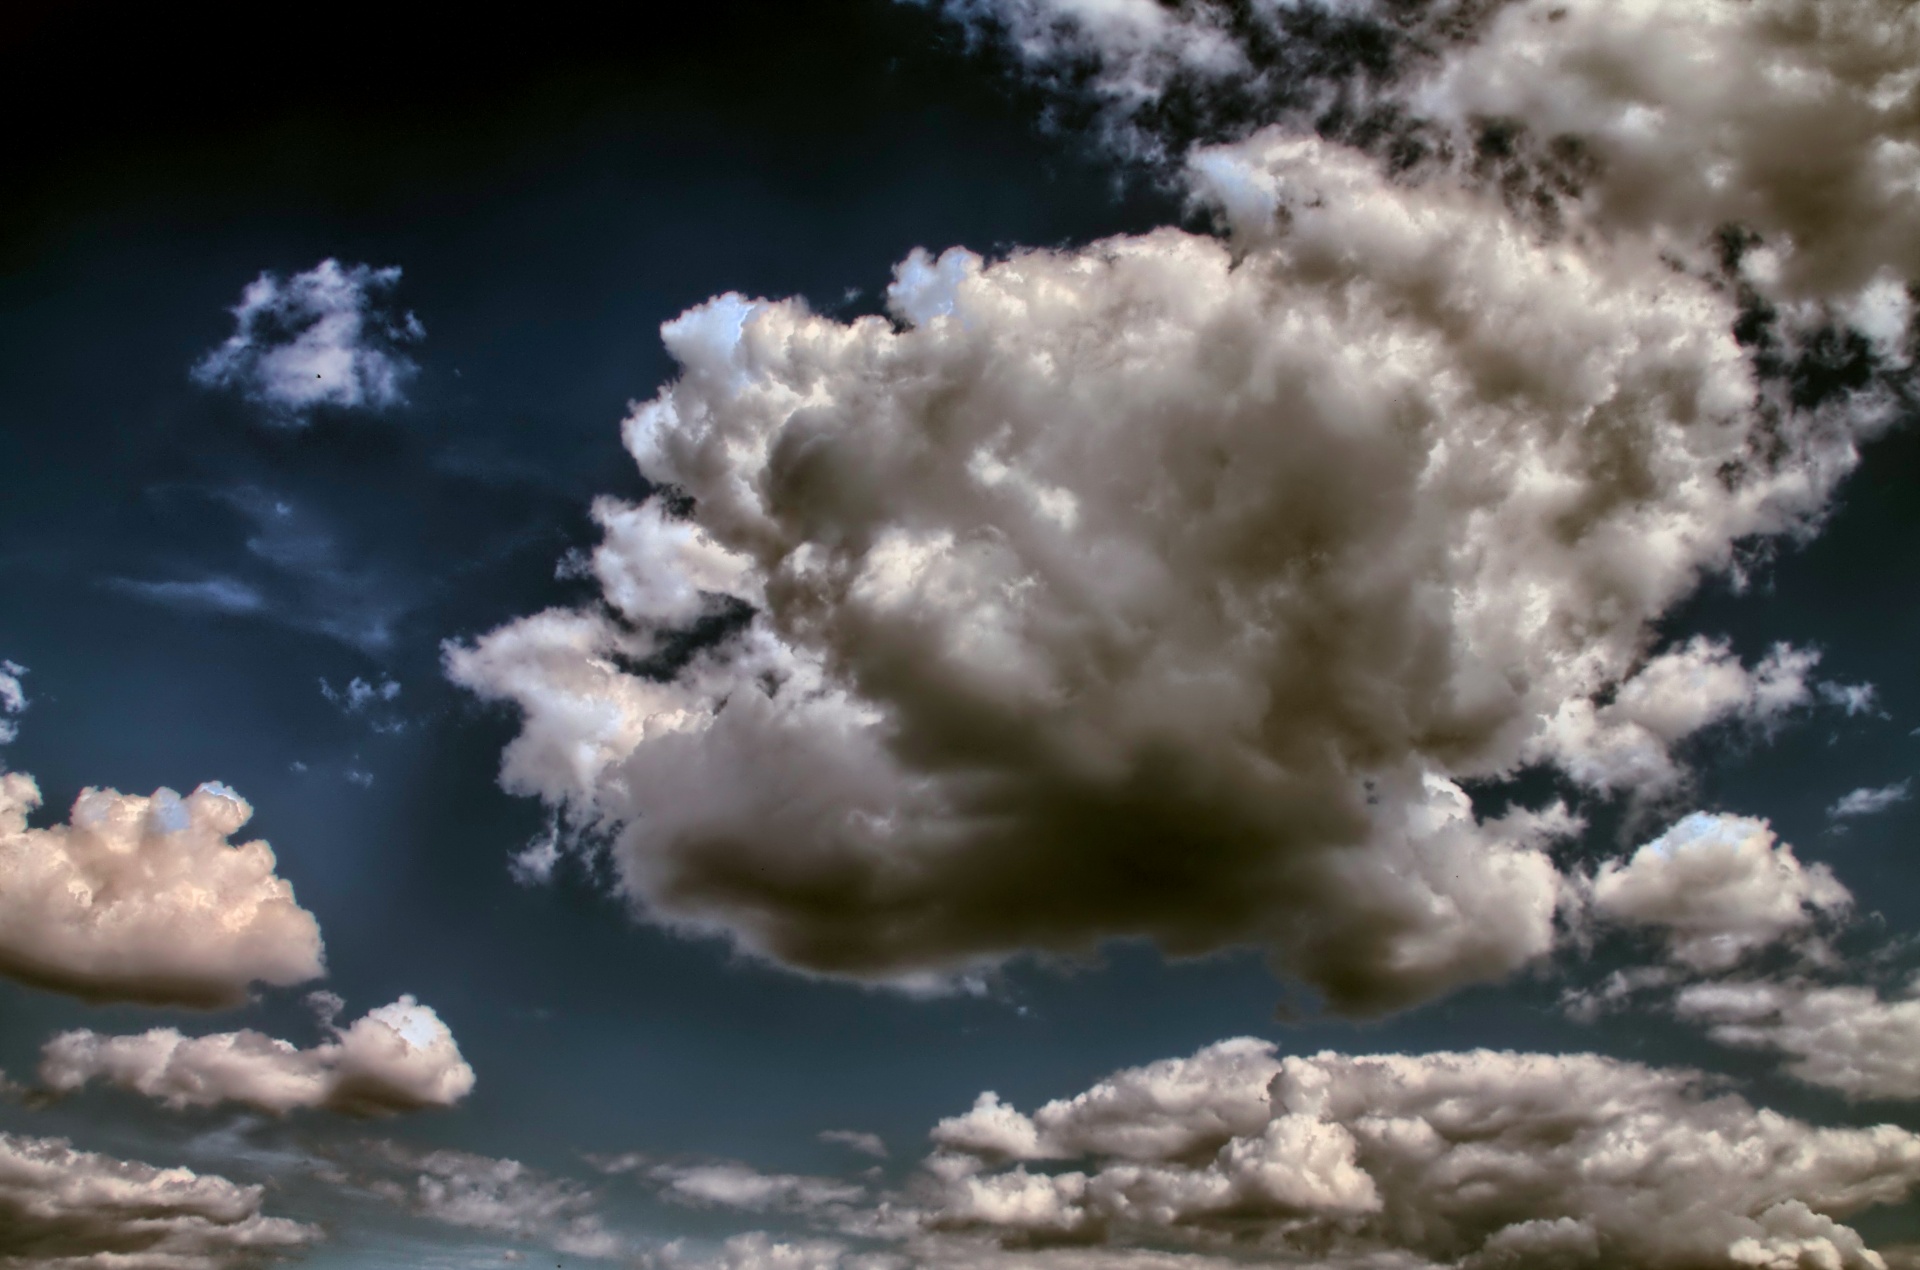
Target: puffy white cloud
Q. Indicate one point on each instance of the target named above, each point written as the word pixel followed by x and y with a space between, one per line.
pixel 70 1209
pixel 397 1058
pixel 1718 887
pixel 144 899
pixel 1867 801
pixel 319 338
pixel 1169 588
pixel 503 1197
pixel 1464 1159
pixel 1844 1038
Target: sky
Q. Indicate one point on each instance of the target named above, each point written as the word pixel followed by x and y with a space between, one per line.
pixel 1079 634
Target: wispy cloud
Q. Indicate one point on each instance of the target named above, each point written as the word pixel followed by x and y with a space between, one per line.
pixel 1869 802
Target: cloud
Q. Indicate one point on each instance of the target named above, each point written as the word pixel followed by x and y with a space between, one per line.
pixel 1790 118
pixel 1475 1159
pixel 1718 887
pixel 303 576
pixel 1169 588
pixel 1627 743
pixel 13 699
pixel 855 1140
pixel 144 899
pixel 67 1208
pixel 1869 802
pixel 757 1250
pixel 738 1186
pixel 503 1197
pixel 1844 1038
pixel 319 338
pixel 394 1059
pixel 358 695
pixel 214 595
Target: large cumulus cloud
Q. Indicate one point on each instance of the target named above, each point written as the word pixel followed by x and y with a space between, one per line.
pixel 65 1208
pixel 397 1058
pixel 1169 587
pixel 144 899
pixel 1465 1159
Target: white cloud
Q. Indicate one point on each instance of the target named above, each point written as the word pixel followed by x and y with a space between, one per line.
pixel 1170 588
pixel 319 338
pixel 1718 887
pixel 65 1208
pixel 1463 1159
pixel 1628 742
pixel 144 899
pixel 1844 1038
pixel 397 1058
pixel 1868 801
pixel 504 1197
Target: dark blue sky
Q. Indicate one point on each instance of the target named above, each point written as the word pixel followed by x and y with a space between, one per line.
pixel 181 573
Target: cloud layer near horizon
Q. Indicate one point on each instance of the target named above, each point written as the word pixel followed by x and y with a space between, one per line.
pixel 144 899
pixel 1466 1159
pixel 68 1208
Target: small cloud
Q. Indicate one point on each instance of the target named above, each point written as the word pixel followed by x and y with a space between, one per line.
pixel 1854 699
pixel 1869 802
pixel 357 777
pixel 319 338
pixel 534 863
pixel 854 1140
pixel 13 698
pixel 296 767
pixel 359 694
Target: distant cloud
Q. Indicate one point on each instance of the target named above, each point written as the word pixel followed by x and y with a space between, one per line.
pixel 13 699
pixel 65 1208
pixel 1854 699
pixel 319 338
pixel 1869 802
pixel 216 595
pixel 144 899
pixel 854 1140
pixel 359 694
pixel 398 1058
pixel 502 1197
pixel 741 1187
